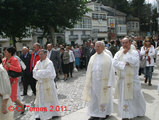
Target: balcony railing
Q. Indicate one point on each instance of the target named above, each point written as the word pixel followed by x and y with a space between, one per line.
pixel 3 39
pixel 73 37
pixel 85 36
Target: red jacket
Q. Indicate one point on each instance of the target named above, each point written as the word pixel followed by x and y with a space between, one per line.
pixel 37 58
pixel 14 66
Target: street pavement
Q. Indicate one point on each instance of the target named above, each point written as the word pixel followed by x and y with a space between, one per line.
pixel 70 92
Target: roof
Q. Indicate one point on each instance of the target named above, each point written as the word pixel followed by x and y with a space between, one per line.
pixel 111 11
pixel 131 18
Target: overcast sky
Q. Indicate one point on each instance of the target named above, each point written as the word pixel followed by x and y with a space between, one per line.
pixel 152 1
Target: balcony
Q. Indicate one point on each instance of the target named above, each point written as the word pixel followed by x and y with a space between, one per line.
pixel 3 39
pixel 73 37
pixel 85 36
pixel 121 30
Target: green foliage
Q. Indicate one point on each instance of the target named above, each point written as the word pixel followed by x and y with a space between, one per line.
pixel 57 13
pixel 137 8
pixel 14 18
pixel 18 15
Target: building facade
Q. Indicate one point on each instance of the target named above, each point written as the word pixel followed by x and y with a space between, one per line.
pixel 133 27
pixel 81 31
pixel 99 21
pixel 116 23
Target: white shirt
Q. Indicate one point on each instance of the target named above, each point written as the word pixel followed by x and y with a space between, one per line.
pixel 49 53
pixel 151 54
pixel 72 57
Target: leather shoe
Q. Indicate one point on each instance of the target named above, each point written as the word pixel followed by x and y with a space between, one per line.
pixel 93 118
pixel 23 94
pixel 23 110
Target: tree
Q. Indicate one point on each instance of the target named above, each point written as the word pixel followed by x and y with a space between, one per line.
pixel 14 19
pixel 49 15
pixel 154 20
pixel 122 5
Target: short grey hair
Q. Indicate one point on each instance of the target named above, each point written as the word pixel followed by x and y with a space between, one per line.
pixel 37 44
pixel 101 42
pixel 24 47
pixel 43 50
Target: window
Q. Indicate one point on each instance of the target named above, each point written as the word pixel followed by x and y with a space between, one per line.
pixel 98 16
pixel 111 22
pixel 78 25
pixel 121 29
pixel 137 25
pixel 71 32
pixel 132 25
pixel 83 32
pixel 84 23
pixel 121 20
pixel 95 16
pixel 96 8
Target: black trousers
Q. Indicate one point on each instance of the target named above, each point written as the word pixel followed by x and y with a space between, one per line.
pixel 33 83
pixel 71 68
pixel 26 82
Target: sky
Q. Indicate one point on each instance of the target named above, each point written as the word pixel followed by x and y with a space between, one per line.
pixel 151 1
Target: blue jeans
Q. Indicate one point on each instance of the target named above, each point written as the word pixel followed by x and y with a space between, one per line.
pixel 148 72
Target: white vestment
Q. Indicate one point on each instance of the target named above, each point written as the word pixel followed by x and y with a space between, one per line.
pixel 108 52
pixel 46 97
pixel 129 108
pixel 5 91
pixel 94 108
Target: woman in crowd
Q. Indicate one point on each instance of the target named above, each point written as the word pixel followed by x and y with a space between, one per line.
pixel 77 54
pixel 148 52
pixel 71 60
pixel 65 62
pixel 11 63
pixel 5 91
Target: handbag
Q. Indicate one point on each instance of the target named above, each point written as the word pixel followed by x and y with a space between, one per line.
pixel 143 62
pixel 14 74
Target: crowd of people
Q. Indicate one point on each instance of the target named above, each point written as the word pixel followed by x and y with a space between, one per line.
pixel 41 68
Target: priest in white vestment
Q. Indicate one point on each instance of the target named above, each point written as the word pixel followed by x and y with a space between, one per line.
pixel 100 78
pixel 5 92
pixel 46 97
pixel 131 101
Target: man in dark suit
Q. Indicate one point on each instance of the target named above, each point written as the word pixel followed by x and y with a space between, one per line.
pixel 26 57
pixel 92 50
pixel 86 53
pixel 55 58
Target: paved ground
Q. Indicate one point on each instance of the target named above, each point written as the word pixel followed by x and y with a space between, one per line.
pixel 70 92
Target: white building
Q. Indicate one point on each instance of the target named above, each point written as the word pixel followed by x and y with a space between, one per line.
pixel 133 26
pixel 116 22
pixel 35 36
pixel 99 21
pixel 81 31
pixel 93 26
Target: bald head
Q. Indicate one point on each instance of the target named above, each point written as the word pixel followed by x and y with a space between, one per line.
pixel 49 47
pixel 25 50
pixel 126 43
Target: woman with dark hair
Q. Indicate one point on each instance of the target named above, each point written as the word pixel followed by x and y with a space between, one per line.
pixel 148 52
pixel 5 91
pixel 65 62
pixel 11 63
